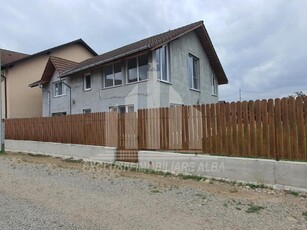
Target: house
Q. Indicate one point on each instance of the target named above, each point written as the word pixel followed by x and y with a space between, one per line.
pixel 174 68
pixel 7 56
pixel 19 70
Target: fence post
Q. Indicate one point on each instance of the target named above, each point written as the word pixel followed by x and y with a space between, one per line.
pixel 141 128
pixel 185 128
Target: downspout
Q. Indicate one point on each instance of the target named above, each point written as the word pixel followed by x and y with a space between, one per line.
pixel 5 95
pixel 49 102
pixel 69 94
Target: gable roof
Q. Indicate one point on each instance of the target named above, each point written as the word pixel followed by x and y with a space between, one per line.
pixel 54 63
pixel 49 51
pixel 154 42
pixel 8 56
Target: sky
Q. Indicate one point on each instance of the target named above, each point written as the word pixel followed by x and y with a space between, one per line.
pixel 261 44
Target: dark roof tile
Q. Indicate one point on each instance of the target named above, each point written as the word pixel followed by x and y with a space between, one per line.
pixel 8 56
pixel 155 42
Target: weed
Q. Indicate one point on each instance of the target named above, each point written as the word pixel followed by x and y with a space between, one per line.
pixel 238 208
pixel 255 186
pixel 36 155
pixel 254 208
pixel 190 177
pixel 305 215
pixel 202 196
pixel 304 196
pixel 72 160
pixel 293 193
pixel 155 191
pixel 225 204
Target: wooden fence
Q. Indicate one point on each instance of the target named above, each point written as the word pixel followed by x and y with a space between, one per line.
pixel 274 129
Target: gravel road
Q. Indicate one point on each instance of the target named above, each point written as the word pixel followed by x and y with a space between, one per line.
pixel 49 193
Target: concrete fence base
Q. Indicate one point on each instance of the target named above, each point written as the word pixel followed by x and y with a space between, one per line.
pixel 282 174
pixel 86 152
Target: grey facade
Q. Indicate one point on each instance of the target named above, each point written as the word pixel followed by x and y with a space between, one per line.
pixel 150 93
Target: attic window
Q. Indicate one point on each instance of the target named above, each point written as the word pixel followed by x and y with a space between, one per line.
pixel 214 84
pixel 162 60
pixel 137 68
pixel 87 82
pixel 194 72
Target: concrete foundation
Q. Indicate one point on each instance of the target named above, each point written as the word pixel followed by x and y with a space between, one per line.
pixel 270 172
pixel 86 152
pixel 281 174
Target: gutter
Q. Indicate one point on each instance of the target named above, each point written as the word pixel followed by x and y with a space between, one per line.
pixel 5 94
pixel 65 74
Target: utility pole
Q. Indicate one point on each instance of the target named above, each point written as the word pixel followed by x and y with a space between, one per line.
pixel 1 124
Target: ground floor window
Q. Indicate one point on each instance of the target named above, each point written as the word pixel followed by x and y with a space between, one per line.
pixel 58 114
pixel 122 108
pixel 85 111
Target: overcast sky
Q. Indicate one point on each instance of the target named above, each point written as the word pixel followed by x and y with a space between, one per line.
pixel 261 44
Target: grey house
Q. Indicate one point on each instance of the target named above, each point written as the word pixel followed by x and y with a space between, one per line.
pixel 178 67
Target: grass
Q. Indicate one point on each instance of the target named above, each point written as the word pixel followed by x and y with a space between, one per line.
pixel 225 204
pixel 37 155
pixel 254 208
pixel 293 193
pixel 72 160
pixel 305 215
pixel 190 177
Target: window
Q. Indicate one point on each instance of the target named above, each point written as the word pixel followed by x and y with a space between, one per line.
pixel 59 114
pixel 214 84
pixel 112 75
pixel 162 60
pixel 122 108
pixel 59 89
pixel 137 68
pixel 194 72
pixel 87 82
pixel 85 111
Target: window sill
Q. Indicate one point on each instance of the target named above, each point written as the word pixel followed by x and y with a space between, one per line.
pixel 214 95
pixel 89 89
pixel 135 82
pixel 111 87
pixel 60 95
pixel 165 82
pixel 196 90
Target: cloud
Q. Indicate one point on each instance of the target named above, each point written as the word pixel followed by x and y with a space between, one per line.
pixel 261 44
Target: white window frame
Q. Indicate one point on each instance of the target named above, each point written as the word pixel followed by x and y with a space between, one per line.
pixel 164 60
pixel 137 69
pixel 104 76
pixel 84 81
pixel 117 108
pixel 191 59
pixel 55 91
pixel 214 85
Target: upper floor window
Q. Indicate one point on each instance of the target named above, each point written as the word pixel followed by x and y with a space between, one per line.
pixel 59 89
pixel 194 72
pixel 162 60
pixel 214 84
pixel 87 82
pixel 137 68
pixel 112 74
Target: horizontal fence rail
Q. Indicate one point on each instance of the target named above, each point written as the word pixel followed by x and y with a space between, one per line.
pixel 273 129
